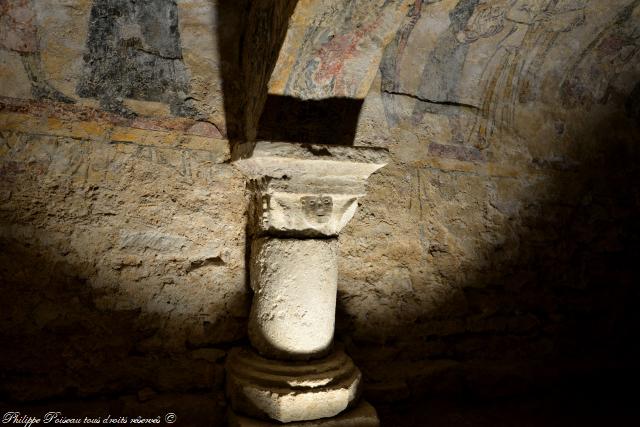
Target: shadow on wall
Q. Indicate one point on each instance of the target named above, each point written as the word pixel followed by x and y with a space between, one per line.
pixel 558 301
pixel 230 23
pixel 248 56
pixel 61 352
pixel 554 304
pixel 326 121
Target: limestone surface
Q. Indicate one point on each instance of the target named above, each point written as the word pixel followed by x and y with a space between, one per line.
pixel 305 190
pixel 294 302
pixel 507 213
pixel 291 391
pixel 282 209
pixel 363 415
pixel 309 162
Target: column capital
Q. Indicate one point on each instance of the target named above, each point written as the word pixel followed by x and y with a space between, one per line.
pixel 306 190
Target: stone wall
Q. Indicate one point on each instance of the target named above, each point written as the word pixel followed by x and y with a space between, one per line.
pixel 122 221
pixel 496 252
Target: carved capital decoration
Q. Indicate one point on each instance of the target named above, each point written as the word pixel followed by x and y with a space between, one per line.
pixel 302 197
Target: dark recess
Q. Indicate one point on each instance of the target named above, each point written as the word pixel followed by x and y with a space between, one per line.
pixel 327 121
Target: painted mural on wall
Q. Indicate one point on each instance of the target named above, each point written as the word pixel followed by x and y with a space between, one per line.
pixel 469 22
pixel 592 77
pixel 495 52
pixel 476 63
pixel 512 75
pixel 133 51
pixel 330 53
pixel 19 33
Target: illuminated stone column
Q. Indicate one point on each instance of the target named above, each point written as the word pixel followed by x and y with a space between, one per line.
pixel 303 195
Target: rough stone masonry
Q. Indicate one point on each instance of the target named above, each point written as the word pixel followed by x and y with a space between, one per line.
pixel 495 252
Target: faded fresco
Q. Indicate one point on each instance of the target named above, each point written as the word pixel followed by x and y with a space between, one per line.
pixel 494 57
pixel 134 51
pixel 512 75
pixel 330 45
pixel 508 209
pixel 19 33
pixel 593 76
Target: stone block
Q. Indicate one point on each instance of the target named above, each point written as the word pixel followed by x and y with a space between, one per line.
pixel 310 212
pixel 309 162
pixel 306 190
pixel 291 391
pixel 363 415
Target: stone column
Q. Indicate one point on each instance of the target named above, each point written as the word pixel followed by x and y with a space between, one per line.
pixel 303 195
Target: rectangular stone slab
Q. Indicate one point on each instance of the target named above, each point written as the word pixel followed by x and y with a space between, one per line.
pixel 309 161
pixel 363 415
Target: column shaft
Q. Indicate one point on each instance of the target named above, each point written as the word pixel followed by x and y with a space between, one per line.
pixel 295 284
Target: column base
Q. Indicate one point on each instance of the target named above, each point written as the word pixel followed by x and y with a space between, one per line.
pixel 289 391
pixel 362 415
